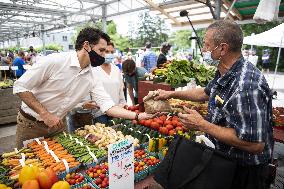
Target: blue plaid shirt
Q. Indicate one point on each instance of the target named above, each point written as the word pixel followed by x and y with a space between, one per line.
pixel 149 60
pixel 246 108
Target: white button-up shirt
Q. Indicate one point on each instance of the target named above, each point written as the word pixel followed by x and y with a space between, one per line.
pixel 113 84
pixel 59 84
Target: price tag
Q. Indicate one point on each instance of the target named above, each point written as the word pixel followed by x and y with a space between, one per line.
pixel 27 67
pixel 148 136
pixel 37 140
pixel 66 165
pixel 70 136
pixel 4 68
pixel 16 150
pixel 87 135
pixel 22 160
pixel 54 156
pixel 121 165
pixel 46 146
pixel 14 68
pixel 92 155
pixel 64 134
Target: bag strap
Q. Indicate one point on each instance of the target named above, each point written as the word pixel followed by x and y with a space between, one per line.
pixel 206 157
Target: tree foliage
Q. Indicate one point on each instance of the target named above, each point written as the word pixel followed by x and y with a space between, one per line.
pixel 181 39
pixel 149 28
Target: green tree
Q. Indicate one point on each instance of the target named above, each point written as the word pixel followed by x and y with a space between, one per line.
pixel 180 39
pixel 150 28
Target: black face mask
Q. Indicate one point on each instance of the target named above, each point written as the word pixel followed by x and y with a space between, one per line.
pixel 95 58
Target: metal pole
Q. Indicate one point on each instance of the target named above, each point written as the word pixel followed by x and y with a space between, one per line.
pixel 43 38
pixel 217 9
pixel 277 62
pixel 104 17
pixel 228 13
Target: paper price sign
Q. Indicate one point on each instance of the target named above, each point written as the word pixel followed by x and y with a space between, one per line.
pixel 4 67
pixel 14 68
pixel 121 167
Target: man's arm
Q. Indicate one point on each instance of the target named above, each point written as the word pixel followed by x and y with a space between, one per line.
pixel 196 95
pixel 49 119
pixel 34 77
pixel 229 136
pixel 194 121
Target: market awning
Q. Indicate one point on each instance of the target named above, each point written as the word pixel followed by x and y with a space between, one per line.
pixel 271 38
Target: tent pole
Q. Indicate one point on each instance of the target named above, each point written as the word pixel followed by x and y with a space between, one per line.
pixel 277 62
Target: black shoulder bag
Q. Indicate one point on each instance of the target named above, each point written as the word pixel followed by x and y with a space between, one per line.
pixel 192 165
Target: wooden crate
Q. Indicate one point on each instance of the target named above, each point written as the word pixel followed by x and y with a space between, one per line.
pixel 9 106
pixel 145 86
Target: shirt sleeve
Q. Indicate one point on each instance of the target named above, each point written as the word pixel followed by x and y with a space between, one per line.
pixel 101 97
pixel 247 114
pixel 35 76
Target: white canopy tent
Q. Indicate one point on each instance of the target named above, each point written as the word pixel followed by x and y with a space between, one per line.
pixel 270 38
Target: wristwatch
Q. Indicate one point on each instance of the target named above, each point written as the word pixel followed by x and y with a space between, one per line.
pixel 137 116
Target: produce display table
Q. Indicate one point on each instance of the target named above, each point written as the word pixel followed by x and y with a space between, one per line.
pixel 9 106
pixel 278 135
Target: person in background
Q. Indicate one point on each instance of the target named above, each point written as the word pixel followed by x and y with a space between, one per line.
pixel 265 61
pixel 253 58
pixel 165 47
pixel 19 61
pixel 132 73
pixel 111 78
pixel 149 60
pixel 118 62
pixel 31 55
pixel 239 120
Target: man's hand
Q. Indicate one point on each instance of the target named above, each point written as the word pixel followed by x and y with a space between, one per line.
pixel 193 120
pixel 145 116
pixel 163 95
pixel 89 105
pixel 52 121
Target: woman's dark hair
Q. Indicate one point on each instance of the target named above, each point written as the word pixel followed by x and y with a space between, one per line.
pixel 128 66
pixel 93 35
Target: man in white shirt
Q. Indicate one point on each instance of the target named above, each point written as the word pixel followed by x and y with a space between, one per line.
pixel 58 83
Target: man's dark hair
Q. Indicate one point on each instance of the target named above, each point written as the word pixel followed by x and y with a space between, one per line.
pixel 148 45
pixel 111 43
pixel 128 66
pixel 21 53
pixel 92 35
pixel 227 32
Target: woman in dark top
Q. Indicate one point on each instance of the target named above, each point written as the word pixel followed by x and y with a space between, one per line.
pixel 164 51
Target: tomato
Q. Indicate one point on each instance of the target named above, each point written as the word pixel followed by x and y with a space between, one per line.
pixel 163 130
pixel 142 122
pixel 175 122
pixel 161 122
pixel 167 122
pixel 172 132
pixel 169 127
pixel 163 118
pixel 155 125
pixel 175 118
pixel 147 123
pixel 179 128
